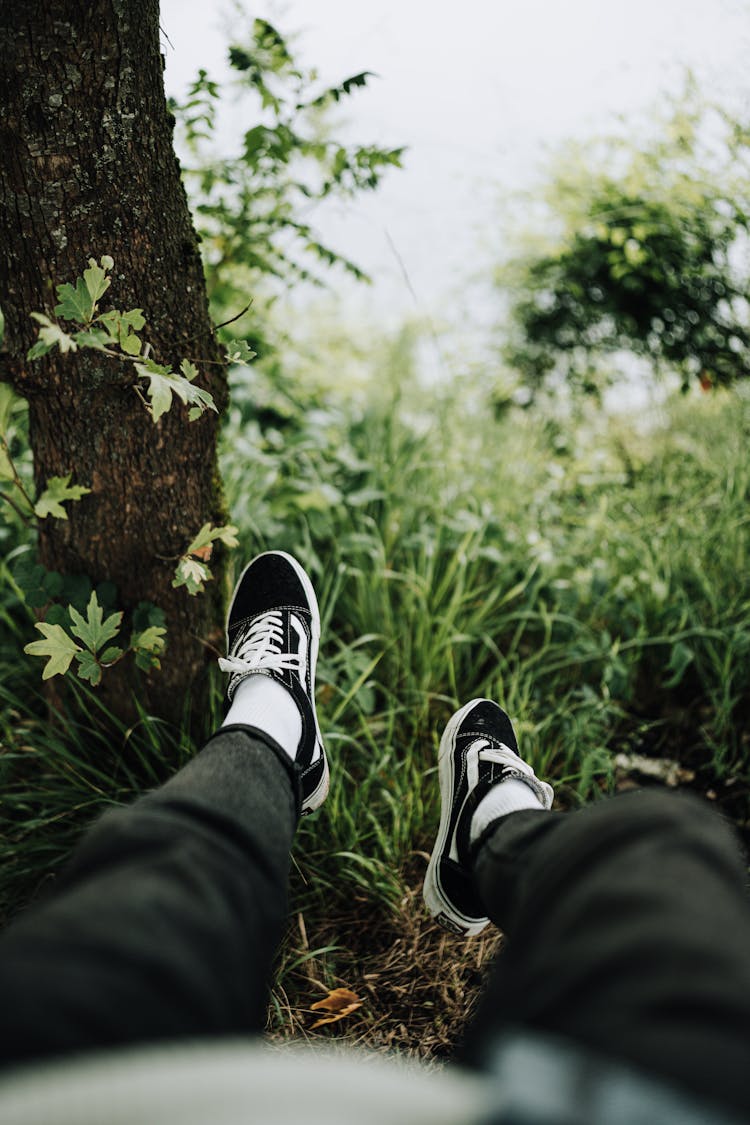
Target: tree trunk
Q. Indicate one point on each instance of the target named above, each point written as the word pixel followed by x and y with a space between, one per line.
pixel 87 168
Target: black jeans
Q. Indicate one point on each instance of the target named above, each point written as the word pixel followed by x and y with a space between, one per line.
pixel 628 929
pixel 628 926
pixel 165 923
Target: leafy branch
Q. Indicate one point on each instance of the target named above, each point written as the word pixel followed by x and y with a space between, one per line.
pixel 251 208
pixel 95 631
pixel 116 334
pixel 192 569
pixel 58 491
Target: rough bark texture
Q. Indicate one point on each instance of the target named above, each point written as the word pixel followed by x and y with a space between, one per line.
pixel 87 168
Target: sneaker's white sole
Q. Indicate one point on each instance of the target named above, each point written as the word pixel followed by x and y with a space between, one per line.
pixel 438 905
pixel 319 794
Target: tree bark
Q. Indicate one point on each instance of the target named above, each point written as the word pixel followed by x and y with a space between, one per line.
pixel 87 168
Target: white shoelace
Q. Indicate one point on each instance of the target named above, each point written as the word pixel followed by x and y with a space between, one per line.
pixel 260 649
pixel 502 755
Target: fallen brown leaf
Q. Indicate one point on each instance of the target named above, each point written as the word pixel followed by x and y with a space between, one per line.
pixel 340 1002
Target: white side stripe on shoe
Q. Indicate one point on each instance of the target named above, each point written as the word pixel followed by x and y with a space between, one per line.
pixel 299 629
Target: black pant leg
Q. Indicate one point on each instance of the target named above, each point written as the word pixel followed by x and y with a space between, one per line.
pixel 628 932
pixel 166 921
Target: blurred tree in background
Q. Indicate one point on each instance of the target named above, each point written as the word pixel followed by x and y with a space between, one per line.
pixel 648 255
pixel 253 208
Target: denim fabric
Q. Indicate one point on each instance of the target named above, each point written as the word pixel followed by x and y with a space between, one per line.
pixel 165 923
pixel 627 923
pixel 628 932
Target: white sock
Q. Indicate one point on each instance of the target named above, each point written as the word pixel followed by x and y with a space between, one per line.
pixel 505 797
pixel 266 704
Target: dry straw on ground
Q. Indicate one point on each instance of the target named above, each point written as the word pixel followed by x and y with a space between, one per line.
pixel 417 983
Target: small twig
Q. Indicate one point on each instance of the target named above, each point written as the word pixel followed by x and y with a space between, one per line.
pixel 216 327
pixel 16 509
pixel 207 645
pixel 16 479
pixel 141 396
pixel 161 29
pixel 232 319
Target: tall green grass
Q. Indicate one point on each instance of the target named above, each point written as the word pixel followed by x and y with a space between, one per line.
pixel 589 573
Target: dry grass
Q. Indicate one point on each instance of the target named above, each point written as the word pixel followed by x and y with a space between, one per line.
pixel 418 984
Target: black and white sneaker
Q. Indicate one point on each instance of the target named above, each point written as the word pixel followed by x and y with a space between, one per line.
pixel 478 750
pixel 273 629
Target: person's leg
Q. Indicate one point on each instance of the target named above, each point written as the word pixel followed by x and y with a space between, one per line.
pixel 627 924
pixel 166 920
pixel 628 932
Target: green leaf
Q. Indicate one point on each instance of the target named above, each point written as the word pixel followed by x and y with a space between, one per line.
pixel 96 280
pixel 192 574
pixel 680 659
pixel 319 499
pixel 74 302
pixel 7 401
pixel 36 599
pixel 94 630
pixel 110 322
pixel 337 92
pixel 56 615
pixel 226 535
pixel 145 614
pixel 163 383
pixel 107 262
pixel 159 388
pixel 130 344
pixel 57 645
pixel 146 661
pixel 189 370
pixel 239 351
pixel 58 491
pixel 111 655
pixel 51 335
pixel 122 327
pixel 133 319
pixel 77 590
pixel 53 583
pixel 208 535
pixel 150 639
pixel 148 645
pixel 29 577
pixel 94 338
pixel 6 465
pixel 88 667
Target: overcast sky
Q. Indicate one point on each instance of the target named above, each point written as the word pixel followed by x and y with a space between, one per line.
pixel 478 91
